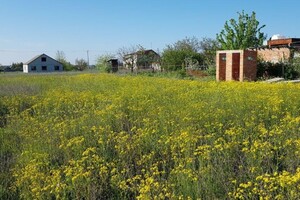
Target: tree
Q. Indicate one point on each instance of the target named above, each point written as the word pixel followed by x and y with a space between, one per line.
pixel 81 64
pixel 121 52
pixel 146 58
pixel 208 48
pixel 17 66
pixel 183 53
pixel 61 57
pixel 129 61
pixel 188 43
pixel 241 34
pixel 101 62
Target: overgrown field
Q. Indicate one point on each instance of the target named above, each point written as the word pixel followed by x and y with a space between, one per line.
pixel 94 136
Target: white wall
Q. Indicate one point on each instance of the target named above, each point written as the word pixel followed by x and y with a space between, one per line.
pixel 25 68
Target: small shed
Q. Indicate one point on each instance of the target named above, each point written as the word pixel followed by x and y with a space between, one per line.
pixel 236 65
pixel 114 64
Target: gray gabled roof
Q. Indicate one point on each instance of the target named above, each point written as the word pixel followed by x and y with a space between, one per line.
pixel 38 56
pixel 144 52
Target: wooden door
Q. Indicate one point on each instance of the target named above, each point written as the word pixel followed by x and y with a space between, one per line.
pixel 222 66
pixel 236 66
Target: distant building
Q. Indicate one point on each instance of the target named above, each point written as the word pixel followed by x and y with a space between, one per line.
pixel 114 64
pixel 279 49
pixel 143 59
pixel 42 63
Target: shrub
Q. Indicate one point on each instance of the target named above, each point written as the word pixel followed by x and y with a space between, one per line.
pixel 287 70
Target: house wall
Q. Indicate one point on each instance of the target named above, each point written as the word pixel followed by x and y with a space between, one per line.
pixel 247 65
pixel 134 59
pixel 130 61
pixel 38 64
pixel 274 54
pixel 156 66
pixel 25 68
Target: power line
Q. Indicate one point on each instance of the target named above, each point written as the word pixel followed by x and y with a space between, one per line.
pixel 33 51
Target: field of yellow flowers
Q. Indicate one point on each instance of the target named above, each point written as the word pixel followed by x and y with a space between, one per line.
pixel 97 136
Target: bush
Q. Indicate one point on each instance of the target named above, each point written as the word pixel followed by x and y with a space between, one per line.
pixel 3 113
pixel 17 67
pixel 211 71
pixel 287 70
pixel 68 66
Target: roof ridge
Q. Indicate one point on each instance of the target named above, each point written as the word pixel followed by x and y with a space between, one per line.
pixel 36 57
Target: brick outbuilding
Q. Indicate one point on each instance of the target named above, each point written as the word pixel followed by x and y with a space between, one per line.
pixel 236 65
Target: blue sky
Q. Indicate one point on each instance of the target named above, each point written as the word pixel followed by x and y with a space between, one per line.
pixel 32 27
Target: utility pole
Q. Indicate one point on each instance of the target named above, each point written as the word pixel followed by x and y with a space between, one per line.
pixel 88 58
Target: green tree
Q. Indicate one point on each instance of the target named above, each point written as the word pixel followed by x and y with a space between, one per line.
pixel 102 64
pixel 17 66
pixel 209 47
pixel 147 58
pixel 242 33
pixel 61 57
pixel 183 53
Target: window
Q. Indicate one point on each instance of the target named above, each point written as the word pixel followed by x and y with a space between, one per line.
pixel 56 68
pixel 33 68
pixel 44 68
pixel 44 59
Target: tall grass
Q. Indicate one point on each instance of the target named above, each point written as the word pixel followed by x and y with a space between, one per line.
pixel 93 136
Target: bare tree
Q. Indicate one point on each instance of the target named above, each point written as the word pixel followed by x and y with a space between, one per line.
pixel 209 47
pixel 60 56
pixel 81 64
pixel 121 52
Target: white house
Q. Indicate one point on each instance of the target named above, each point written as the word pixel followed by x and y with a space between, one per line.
pixel 42 63
pixel 143 59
